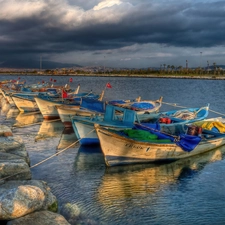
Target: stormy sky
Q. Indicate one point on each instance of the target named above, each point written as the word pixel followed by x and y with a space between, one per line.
pixel 113 33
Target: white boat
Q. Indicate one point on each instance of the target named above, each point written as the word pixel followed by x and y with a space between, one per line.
pixel 25 105
pixel 87 108
pixel 140 106
pixel 120 148
pixel 47 108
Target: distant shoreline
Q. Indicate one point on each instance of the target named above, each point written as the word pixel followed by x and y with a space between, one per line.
pixel 165 76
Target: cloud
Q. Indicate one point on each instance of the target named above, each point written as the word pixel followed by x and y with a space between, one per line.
pixel 115 27
pixel 107 3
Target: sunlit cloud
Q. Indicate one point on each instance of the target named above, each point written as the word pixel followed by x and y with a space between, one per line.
pixel 106 4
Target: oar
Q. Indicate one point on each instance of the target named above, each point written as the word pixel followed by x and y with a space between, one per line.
pixel 186 142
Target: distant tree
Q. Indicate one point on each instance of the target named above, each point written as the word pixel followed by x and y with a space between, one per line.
pixel 214 68
pixel 180 68
pixel 164 67
pixel 172 68
pixel 168 68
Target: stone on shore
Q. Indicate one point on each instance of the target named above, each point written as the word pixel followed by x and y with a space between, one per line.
pixel 13 167
pixel 19 198
pixel 40 218
pixel 5 131
pixel 14 145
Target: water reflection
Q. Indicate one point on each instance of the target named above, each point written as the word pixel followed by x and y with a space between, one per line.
pixel 5 106
pixel 26 119
pixel 12 112
pixel 49 129
pixel 89 157
pixel 67 138
pixel 122 183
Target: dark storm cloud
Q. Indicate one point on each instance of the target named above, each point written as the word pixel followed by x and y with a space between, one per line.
pixel 56 27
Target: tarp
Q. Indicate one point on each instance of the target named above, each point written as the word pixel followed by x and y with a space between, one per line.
pixel 142 106
pixel 145 136
pixel 186 142
pixel 93 104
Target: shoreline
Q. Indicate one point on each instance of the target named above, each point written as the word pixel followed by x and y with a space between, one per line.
pixel 163 76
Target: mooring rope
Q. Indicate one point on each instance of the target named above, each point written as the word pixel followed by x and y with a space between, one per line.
pixel 217 112
pixel 47 121
pixel 175 105
pixel 56 154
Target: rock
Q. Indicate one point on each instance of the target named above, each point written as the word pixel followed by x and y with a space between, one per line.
pixel 5 131
pixel 19 198
pixel 40 218
pixel 14 167
pixel 14 145
pixel 71 212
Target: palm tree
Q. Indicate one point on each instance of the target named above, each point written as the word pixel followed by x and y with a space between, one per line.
pixel 164 65
pixel 172 67
pixel 214 68
pixel 168 68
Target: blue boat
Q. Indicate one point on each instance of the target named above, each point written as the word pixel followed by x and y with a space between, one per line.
pixel 121 118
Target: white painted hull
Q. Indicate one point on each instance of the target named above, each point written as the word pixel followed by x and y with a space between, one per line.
pixel 65 114
pixel 85 133
pixel 120 150
pixel 47 108
pixel 25 105
pixel 10 100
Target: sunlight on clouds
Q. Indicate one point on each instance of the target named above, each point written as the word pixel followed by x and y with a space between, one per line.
pixel 13 9
pixel 59 13
pixel 107 3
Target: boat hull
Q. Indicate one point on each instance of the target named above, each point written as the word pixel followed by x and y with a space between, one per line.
pixel 47 108
pixel 119 150
pixel 85 133
pixel 25 105
pixel 65 114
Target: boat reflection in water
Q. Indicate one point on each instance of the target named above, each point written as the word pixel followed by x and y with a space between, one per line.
pixel 49 129
pixel 89 157
pixel 5 106
pixel 127 183
pixel 12 113
pixel 26 119
pixel 67 138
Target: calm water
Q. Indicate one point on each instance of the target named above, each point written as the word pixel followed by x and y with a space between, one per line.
pixel 190 191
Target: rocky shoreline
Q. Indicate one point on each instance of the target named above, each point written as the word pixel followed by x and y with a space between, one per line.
pixel 23 200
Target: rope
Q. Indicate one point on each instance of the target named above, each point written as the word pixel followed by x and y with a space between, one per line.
pixel 217 112
pixel 175 105
pixel 56 154
pixel 48 121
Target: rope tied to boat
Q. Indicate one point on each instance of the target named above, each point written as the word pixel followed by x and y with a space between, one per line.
pixel 56 154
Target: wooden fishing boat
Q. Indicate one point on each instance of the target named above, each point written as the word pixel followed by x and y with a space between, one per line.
pixel 48 106
pixel 114 117
pixel 25 105
pixel 169 121
pixel 141 107
pixel 119 148
pixel 117 118
pixel 88 107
